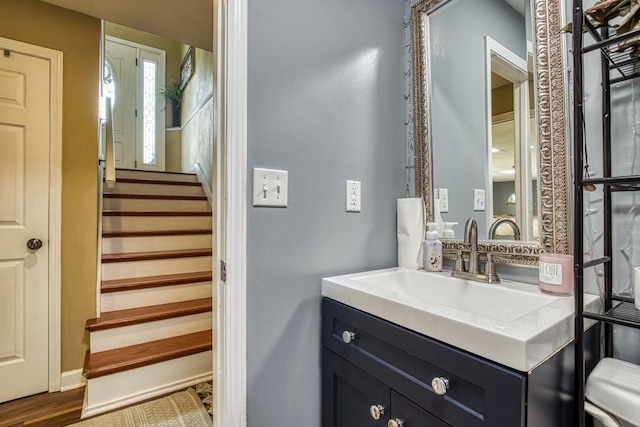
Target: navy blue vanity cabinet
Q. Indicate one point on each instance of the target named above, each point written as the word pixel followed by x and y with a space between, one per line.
pixel 368 361
pixel 353 398
pixel 349 393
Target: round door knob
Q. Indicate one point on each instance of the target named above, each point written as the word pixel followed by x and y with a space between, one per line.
pixel 395 423
pixel 440 385
pixel 34 244
pixel 376 411
pixel 348 336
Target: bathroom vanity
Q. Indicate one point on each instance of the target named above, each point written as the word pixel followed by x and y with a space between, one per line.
pixel 377 372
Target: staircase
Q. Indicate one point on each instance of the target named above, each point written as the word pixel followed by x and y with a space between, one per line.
pixel 154 335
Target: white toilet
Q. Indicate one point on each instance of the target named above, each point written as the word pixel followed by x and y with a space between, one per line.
pixel 613 394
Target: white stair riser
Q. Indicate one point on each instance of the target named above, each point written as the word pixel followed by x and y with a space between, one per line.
pixel 120 245
pixel 152 223
pixel 125 388
pixel 156 176
pixel 153 296
pixel 116 204
pixel 143 188
pixel 156 267
pixel 125 336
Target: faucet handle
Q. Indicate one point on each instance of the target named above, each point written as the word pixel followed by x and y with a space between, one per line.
pixel 489 270
pixel 459 262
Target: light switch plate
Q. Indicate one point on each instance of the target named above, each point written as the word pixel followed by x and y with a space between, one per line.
pixel 443 195
pixel 478 200
pixel 270 188
pixel 353 196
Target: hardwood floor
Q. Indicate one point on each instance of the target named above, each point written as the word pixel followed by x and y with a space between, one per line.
pixel 62 409
pixel 43 410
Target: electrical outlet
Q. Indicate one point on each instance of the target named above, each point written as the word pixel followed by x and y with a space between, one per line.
pixel 443 195
pixel 353 196
pixel 478 200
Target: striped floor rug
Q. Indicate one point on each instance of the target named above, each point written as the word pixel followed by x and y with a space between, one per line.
pixel 182 409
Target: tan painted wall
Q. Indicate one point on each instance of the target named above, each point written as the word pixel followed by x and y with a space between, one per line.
pixel 197 116
pixel 78 37
pixel 173 150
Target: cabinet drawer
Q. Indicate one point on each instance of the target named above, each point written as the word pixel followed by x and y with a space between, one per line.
pixel 411 414
pixel 480 393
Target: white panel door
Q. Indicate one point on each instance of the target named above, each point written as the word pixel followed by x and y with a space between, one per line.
pixel 138 116
pixel 122 59
pixel 24 207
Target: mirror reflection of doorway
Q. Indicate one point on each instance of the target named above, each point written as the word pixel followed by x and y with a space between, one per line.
pixel 512 144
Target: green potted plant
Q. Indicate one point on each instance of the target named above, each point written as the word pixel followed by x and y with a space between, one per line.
pixel 173 92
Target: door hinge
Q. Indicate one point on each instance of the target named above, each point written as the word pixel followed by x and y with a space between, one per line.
pixel 136 62
pixel 223 271
pixel 135 164
pixel 136 112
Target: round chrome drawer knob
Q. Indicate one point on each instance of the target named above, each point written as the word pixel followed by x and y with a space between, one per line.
pixel 395 423
pixel 348 336
pixel 376 411
pixel 440 385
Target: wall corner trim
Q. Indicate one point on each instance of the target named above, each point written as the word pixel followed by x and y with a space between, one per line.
pixel 206 186
pixel 72 379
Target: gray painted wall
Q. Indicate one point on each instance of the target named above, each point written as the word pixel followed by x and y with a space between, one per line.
pixel 458 96
pixel 325 102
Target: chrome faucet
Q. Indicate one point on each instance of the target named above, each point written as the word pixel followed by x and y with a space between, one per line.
pixel 471 240
pixel 496 224
pixel 472 271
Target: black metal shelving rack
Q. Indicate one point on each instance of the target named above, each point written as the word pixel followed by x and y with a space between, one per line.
pixel 616 66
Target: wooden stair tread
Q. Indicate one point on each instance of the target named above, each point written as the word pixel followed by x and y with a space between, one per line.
pixel 147 256
pixel 130 284
pixel 152 196
pixel 134 316
pixel 139 355
pixel 157 182
pixel 142 171
pixel 154 233
pixel 155 213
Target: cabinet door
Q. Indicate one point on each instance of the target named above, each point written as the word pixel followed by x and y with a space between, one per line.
pixel 411 414
pixel 348 394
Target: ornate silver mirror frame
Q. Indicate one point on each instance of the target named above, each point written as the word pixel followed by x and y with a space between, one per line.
pixel 553 178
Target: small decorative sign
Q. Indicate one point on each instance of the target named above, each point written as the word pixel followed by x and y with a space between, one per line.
pixel 187 67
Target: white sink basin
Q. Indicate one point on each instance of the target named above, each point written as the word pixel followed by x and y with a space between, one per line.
pixel 511 323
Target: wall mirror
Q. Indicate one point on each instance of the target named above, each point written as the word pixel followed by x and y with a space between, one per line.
pixel 489 114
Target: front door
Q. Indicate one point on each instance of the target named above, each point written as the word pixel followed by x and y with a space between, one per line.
pixel 135 74
pixel 121 62
pixel 24 208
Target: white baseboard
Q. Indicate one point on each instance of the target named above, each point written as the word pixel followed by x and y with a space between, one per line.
pixel 145 395
pixel 72 379
pixel 206 186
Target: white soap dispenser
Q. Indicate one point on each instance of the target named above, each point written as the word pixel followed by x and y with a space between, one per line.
pixel 448 232
pixel 432 252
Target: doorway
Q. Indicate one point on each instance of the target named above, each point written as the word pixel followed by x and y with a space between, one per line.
pixel 30 207
pixel 512 148
pixel 132 74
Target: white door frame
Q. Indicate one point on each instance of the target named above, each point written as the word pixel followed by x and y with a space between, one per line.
pixel 55 197
pixel 230 20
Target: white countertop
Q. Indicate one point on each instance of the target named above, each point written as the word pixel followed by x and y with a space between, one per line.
pixel 511 323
